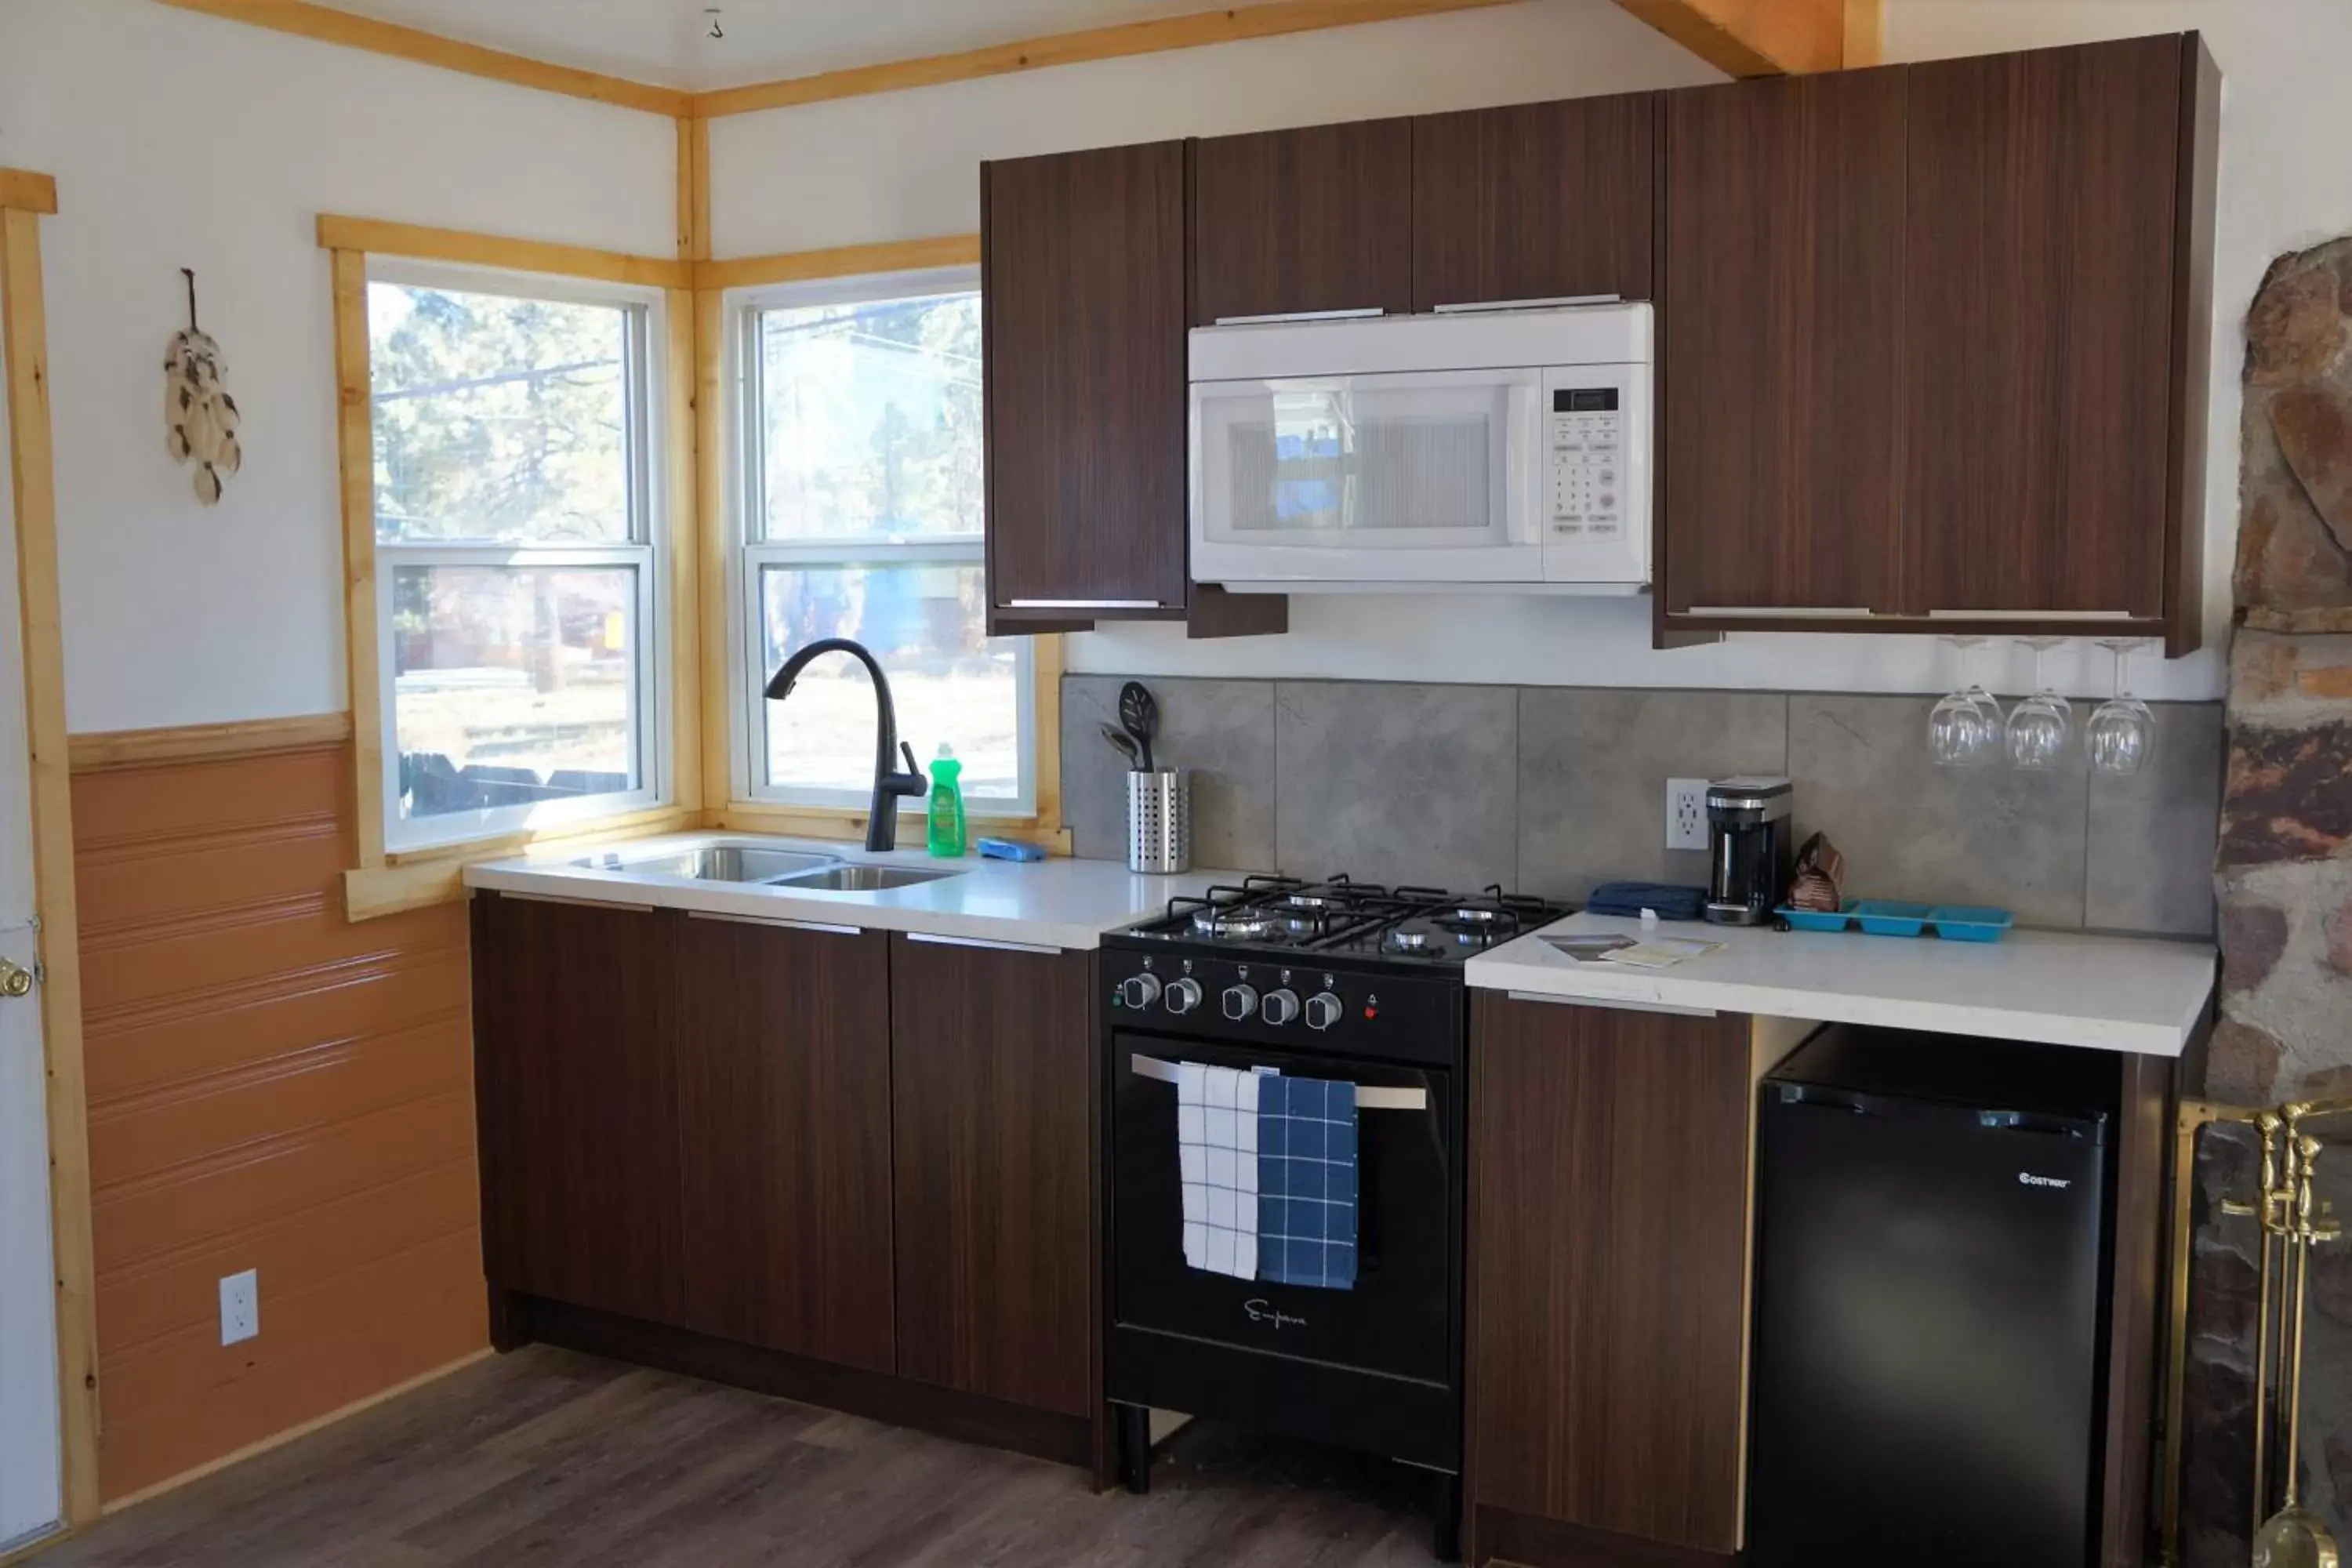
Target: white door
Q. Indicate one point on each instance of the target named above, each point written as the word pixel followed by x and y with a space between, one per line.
pixel 31 1492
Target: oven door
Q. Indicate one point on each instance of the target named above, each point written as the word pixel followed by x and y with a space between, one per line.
pixel 1401 1317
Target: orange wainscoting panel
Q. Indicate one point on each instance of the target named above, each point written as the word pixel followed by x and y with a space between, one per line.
pixel 270 1088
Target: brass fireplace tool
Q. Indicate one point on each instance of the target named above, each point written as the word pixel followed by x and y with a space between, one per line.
pixel 2292 1220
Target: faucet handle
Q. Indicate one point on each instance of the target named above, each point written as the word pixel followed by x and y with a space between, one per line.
pixel 908 752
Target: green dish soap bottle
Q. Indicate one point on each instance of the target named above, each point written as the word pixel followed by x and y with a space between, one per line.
pixel 947 804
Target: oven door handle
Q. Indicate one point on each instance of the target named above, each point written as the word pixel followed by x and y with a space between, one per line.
pixel 1368 1096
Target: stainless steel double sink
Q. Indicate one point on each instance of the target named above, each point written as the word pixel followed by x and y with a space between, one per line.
pixel 768 867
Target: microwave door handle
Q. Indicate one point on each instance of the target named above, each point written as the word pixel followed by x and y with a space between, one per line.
pixel 1526 450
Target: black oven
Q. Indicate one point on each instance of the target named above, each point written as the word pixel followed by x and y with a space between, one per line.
pixel 1376 1368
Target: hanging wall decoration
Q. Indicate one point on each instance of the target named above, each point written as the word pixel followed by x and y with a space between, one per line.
pixel 200 417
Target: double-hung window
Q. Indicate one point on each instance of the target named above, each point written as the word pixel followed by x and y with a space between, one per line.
pixel 521 636
pixel 860 512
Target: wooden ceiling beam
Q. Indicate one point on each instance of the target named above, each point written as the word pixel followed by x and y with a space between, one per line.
pixel 329 26
pixel 1764 38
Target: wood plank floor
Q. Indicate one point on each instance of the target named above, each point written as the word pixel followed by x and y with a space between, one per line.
pixel 545 1456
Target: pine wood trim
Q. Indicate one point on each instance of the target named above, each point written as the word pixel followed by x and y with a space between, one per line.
pixel 356 444
pixel 710 539
pixel 839 261
pixel 849 823
pixel 328 26
pixel 1201 27
pixel 1753 37
pixel 106 751
pixel 689 787
pixel 376 238
pixel 1866 34
pixel 23 346
pixel 21 190
pixel 694 190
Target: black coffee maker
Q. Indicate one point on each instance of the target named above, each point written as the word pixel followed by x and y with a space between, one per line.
pixel 1751 848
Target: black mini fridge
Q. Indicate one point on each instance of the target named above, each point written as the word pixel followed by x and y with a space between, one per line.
pixel 1929 1353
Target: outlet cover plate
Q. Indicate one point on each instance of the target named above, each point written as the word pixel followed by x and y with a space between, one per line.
pixel 1686 814
pixel 240 1306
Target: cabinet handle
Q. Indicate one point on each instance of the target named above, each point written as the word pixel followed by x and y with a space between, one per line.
pixel 2038 615
pixel 1548 303
pixel 776 921
pixel 1085 604
pixel 1368 1096
pixel 579 904
pixel 1783 612
pixel 1609 1002
pixel 930 939
pixel 1351 313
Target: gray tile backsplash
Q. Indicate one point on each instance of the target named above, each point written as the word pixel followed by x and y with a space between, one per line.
pixel 1396 784
pixel 1555 789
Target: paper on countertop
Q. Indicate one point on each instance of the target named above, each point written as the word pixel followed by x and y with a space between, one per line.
pixel 1660 952
pixel 1587 949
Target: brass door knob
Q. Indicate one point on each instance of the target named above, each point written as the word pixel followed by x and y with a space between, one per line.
pixel 15 980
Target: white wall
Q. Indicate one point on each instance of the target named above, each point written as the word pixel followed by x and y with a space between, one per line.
pixel 183 141
pixel 903 164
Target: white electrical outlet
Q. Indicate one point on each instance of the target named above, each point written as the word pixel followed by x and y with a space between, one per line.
pixel 1686 814
pixel 240 1306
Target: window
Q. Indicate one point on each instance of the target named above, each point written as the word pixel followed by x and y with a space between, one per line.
pixel 519 604
pixel 861 518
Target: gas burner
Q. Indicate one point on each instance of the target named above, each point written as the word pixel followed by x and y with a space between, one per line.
pixel 1231 925
pixel 1480 915
pixel 1405 942
pixel 1311 900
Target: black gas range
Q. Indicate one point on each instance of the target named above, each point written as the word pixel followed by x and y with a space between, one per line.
pixel 1337 981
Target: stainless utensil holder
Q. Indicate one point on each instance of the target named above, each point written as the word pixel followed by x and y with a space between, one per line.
pixel 1159 822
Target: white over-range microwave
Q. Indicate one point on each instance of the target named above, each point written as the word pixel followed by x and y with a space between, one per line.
pixel 1490 450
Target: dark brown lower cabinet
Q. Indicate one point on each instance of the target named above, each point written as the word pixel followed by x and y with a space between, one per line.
pixel 578 1104
pixel 783 1088
pixel 992 1139
pixel 1607 1285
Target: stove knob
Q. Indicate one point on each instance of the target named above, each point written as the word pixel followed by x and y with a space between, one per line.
pixel 1280 1007
pixel 1322 1010
pixel 1241 1001
pixel 1184 996
pixel 1138 991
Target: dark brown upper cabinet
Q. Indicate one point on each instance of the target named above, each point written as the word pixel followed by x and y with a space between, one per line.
pixel 784 1092
pixel 1780 321
pixel 578 1104
pixel 2040 253
pixel 1535 201
pixel 1291 221
pixel 992 1088
pixel 1082 283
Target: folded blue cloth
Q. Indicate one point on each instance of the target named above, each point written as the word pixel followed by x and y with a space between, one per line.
pixel 1672 903
pixel 1306 1181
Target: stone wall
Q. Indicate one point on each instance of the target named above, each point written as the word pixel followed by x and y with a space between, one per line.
pixel 2284 876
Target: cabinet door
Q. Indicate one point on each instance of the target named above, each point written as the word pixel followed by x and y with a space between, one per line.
pixel 1082 280
pixel 784 1069
pixel 1287 221
pixel 579 1105
pixel 1608 1267
pixel 992 1076
pixel 2039 263
pixel 1534 202
pixel 1780 341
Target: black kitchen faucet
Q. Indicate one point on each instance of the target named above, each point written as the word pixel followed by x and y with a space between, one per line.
pixel 882 815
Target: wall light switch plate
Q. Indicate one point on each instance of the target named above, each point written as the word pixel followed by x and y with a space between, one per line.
pixel 1686 814
pixel 240 1306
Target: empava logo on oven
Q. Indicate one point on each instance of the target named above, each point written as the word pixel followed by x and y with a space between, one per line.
pixel 1262 1311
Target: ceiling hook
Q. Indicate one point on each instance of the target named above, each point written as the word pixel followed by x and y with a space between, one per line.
pixel 716 30
pixel 189 273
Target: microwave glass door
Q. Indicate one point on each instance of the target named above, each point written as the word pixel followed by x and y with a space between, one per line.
pixel 1419 461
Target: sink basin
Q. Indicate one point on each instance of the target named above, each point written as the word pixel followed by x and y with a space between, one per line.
pixel 719 863
pixel 863 879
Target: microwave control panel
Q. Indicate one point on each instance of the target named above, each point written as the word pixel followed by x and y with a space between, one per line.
pixel 1595 522
pixel 1588 464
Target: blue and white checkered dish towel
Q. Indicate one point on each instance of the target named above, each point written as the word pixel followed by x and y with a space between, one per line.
pixel 1306 1181
pixel 1217 1145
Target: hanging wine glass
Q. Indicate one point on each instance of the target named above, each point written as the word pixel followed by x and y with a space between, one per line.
pixel 1964 729
pixel 2122 732
pixel 2041 725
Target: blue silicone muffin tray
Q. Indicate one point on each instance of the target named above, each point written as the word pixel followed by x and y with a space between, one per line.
pixel 1890 917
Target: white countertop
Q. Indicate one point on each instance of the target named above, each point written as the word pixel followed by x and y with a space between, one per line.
pixel 2142 995
pixel 1055 902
